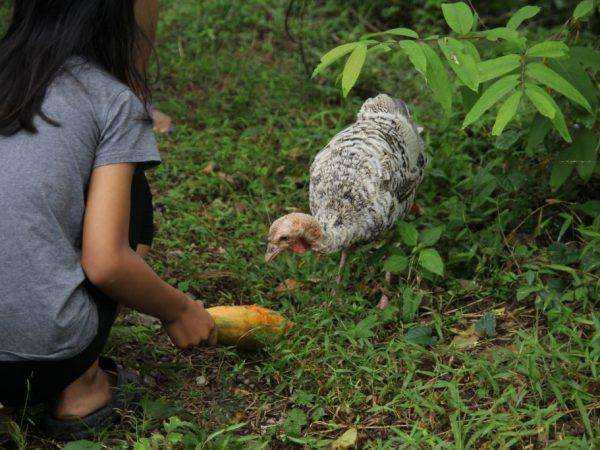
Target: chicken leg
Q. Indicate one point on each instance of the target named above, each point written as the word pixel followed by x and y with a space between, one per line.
pixel 343 258
pixel 338 279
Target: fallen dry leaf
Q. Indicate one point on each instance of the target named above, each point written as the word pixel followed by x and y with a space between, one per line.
pixel 162 123
pixel 295 154
pixel 241 392
pixel 346 440
pixel 416 209
pixel 209 168
pixel 239 416
pixel 462 341
pixel 226 177
pixel 288 285
pixel 466 339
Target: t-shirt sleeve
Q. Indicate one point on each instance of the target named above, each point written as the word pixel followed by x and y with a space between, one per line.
pixel 126 134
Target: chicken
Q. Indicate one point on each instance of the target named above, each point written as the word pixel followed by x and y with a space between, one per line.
pixel 360 184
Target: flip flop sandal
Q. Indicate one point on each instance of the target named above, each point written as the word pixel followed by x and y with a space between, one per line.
pixel 126 397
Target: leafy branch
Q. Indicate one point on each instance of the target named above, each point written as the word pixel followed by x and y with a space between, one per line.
pixel 528 74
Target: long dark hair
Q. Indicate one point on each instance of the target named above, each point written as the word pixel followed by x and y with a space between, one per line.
pixel 44 34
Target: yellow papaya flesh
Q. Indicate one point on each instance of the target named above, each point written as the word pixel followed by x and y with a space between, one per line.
pixel 248 326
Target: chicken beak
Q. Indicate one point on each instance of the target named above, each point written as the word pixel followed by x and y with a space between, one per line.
pixel 272 252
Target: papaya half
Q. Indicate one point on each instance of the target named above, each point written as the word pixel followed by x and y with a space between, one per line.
pixel 248 326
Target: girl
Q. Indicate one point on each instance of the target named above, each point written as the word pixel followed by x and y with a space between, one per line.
pixel 74 128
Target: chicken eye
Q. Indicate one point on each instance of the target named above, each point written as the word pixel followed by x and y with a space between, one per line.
pixel 284 238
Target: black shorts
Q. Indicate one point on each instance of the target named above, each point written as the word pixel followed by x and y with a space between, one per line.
pixel 26 383
pixel 141 229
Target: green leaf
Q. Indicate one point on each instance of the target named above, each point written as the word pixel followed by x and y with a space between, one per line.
pixel 295 420
pixel 546 101
pixel 554 81
pixel 561 268
pixel 332 56
pixel 407 32
pixel 420 335
pixel 540 126
pixel 431 260
pixel 583 9
pixel 430 236
pixel 143 444
pixel 493 68
pixel 548 49
pixel 572 70
pixel 585 415
pixel 560 124
pixel 468 97
pixel 561 170
pixel 175 423
pixel 541 100
pixel 461 63
pixel 395 264
pixel 82 445
pixel 507 34
pixel 438 79
pixel 458 17
pixel 381 47
pixel 527 12
pixel 415 54
pixel 470 49
pixel 364 328
pixel 584 152
pixel 486 325
pixel 408 233
pixel 490 96
pixel 410 304
pixel 565 226
pixel 525 291
pixel 225 430
pixel 506 112
pixel 587 57
pixel 353 67
pixel 591 208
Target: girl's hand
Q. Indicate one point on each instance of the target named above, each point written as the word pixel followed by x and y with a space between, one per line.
pixel 193 326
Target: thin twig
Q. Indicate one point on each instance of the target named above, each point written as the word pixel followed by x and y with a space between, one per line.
pixel 300 43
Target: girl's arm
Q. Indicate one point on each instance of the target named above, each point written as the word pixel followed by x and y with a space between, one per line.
pixel 112 266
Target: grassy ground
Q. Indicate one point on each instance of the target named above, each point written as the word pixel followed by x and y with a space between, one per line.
pixel 415 376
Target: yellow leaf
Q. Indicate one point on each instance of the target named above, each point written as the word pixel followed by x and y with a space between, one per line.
pixel 466 339
pixel 346 440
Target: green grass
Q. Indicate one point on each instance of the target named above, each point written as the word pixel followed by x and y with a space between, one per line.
pixel 501 351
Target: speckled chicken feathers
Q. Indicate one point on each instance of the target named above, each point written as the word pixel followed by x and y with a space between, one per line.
pixel 367 176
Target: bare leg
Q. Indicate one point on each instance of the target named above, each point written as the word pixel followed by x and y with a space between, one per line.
pixel 384 301
pixel 86 394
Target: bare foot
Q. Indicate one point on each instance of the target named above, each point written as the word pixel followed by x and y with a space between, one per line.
pixel 162 122
pixel 85 395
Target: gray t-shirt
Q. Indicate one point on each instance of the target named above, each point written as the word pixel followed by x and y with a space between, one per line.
pixel 45 313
